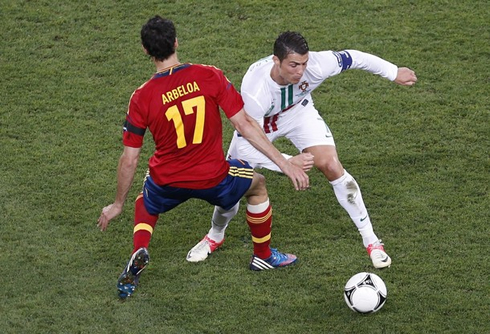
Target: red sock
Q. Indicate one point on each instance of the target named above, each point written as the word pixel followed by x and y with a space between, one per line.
pixel 260 226
pixel 144 223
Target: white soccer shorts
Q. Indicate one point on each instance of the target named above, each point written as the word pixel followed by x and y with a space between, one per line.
pixel 302 125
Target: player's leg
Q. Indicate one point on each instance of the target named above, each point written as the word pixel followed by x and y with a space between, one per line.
pixel 259 220
pixel 229 191
pixel 243 181
pixel 144 224
pixel 345 187
pixel 239 148
pixel 349 196
pixel 257 205
pixel 312 135
pixel 242 149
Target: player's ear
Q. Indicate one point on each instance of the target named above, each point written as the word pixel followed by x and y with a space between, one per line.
pixel 144 49
pixel 276 60
pixel 176 44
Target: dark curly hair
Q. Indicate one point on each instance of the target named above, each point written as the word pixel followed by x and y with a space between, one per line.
pixel 158 37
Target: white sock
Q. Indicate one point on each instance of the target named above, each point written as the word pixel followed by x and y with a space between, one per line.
pixel 220 221
pixel 349 196
pixel 258 208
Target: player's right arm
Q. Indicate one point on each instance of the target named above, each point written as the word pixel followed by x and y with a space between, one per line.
pixel 133 140
pixel 253 133
pixel 241 148
pixel 125 175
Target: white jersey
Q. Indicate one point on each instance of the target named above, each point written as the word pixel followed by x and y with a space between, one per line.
pixel 288 110
pixel 263 97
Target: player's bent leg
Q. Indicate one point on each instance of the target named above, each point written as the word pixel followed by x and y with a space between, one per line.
pixel 327 161
pixel 128 280
pixel 349 196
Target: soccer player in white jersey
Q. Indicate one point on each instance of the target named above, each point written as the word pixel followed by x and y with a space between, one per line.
pixel 277 94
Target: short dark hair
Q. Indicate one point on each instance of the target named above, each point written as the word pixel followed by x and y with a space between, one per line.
pixel 158 37
pixel 289 42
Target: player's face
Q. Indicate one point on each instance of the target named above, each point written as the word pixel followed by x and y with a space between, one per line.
pixel 292 68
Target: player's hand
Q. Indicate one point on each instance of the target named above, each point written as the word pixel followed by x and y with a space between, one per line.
pixel 108 213
pixel 303 160
pixel 406 77
pixel 299 178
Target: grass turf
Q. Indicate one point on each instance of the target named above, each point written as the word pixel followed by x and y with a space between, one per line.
pixel 420 154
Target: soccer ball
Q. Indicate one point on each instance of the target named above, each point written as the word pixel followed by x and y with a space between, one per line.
pixel 365 293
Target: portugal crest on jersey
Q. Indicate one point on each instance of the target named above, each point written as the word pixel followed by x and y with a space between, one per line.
pixel 304 86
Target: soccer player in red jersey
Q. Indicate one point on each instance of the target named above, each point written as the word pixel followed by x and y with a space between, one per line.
pixel 180 107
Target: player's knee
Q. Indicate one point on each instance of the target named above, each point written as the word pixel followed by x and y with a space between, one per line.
pixel 259 180
pixel 258 188
pixel 330 167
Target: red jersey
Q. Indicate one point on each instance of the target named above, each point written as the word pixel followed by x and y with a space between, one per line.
pixel 180 107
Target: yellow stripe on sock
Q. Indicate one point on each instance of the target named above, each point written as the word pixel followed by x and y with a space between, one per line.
pixel 259 220
pixel 143 226
pixel 261 240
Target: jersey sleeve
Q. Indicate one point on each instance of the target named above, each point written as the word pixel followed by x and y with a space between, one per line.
pixel 229 99
pixel 134 125
pixel 371 63
pixel 331 63
pixel 253 107
pixel 256 93
pixel 326 64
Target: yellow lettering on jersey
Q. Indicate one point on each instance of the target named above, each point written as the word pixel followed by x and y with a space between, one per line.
pixel 175 92
pixel 170 97
pixel 180 91
pixel 193 87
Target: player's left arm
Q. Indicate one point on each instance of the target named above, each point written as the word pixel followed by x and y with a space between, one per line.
pixel 125 175
pixel 354 59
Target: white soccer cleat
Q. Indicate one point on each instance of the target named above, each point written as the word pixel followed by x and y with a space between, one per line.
pixel 378 255
pixel 203 248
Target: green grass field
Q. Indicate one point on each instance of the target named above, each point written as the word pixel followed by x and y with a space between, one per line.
pixel 421 156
